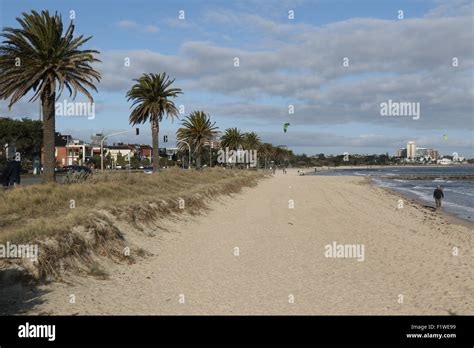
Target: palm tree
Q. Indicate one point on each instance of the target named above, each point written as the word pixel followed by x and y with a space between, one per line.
pixel 251 141
pixel 197 129
pixel 150 97
pixel 232 138
pixel 279 155
pixel 266 150
pixel 42 58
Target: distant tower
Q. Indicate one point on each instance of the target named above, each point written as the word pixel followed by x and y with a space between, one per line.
pixel 411 150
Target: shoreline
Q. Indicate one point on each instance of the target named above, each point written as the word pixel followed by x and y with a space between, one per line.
pixel 453 218
pixel 396 166
pixel 450 215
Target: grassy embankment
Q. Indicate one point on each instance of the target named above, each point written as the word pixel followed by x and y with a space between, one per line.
pixel 74 223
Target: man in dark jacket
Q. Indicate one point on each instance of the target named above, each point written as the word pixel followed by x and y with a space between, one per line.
pixel 3 175
pixel 11 176
pixel 438 195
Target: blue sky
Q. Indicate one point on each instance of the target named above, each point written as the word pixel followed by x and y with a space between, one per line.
pixel 283 61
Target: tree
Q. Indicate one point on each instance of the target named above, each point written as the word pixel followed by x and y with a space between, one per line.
pixel 95 160
pixel 151 101
pixel 42 57
pixel 108 160
pixel 197 129
pixel 26 134
pixel 135 160
pixel 251 141
pixel 121 160
pixel 266 152
pixel 232 138
pixel 279 155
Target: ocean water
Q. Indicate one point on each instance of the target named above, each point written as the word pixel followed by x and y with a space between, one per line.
pixel 458 194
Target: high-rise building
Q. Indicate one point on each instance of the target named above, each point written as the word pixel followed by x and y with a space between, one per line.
pixel 401 153
pixel 411 150
pixel 421 152
pixel 434 154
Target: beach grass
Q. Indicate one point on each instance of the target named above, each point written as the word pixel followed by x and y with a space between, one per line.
pixel 28 212
pixel 75 224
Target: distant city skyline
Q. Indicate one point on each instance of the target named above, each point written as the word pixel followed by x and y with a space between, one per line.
pixel 329 71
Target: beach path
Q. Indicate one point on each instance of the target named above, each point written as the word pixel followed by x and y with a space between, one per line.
pixel 257 252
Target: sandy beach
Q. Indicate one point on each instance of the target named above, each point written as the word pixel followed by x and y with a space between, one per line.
pixel 260 253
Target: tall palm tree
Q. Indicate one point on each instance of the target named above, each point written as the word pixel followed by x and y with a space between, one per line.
pixel 279 155
pixel 43 58
pixel 197 129
pixel 151 101
pixel 266 151
pixel 251 141
pixel 232 138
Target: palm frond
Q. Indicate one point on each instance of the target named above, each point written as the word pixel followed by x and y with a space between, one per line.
pixel 150 97
pixel 49 59
pixel 196 129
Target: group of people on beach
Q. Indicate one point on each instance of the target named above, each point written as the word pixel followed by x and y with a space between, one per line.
pixel 273 168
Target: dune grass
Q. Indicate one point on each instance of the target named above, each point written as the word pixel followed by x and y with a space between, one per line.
pixel 30 212
pixel 77 224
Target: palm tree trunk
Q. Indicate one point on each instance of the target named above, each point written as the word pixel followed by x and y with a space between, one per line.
pixel 155 144
pixel 49 124
pixel 198 157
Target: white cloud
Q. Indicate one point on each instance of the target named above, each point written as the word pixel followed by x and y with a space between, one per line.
pixel 180 23
pixel 152 29
pixel 132 25
pixel 126 24
pixel 408 60
pixel 451 8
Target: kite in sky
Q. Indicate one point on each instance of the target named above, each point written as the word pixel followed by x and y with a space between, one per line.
pixel 285 127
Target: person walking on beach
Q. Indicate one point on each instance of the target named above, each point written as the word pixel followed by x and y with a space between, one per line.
pixel 438 195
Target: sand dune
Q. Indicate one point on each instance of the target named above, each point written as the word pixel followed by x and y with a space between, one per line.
pixel 282 267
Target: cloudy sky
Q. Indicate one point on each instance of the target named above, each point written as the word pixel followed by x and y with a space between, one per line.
pixel 335 62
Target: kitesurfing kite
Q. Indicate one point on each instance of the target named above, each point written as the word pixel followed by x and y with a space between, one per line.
pixel 285 127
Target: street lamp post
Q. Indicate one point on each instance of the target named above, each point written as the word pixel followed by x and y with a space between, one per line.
pixel 189 148
pixel 137 130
